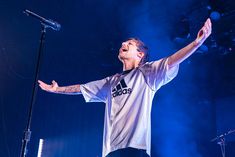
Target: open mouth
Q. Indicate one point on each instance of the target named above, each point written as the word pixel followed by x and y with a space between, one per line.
pixel 124 49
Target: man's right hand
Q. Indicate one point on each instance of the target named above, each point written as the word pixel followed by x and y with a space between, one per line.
pixel 49 88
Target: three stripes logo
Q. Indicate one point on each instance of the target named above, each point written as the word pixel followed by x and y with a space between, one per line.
pixel 121 89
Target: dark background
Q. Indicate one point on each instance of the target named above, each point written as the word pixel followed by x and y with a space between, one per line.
pixel 187 113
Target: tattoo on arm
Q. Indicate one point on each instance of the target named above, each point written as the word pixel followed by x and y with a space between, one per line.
pixel 74 89
pixel 182 54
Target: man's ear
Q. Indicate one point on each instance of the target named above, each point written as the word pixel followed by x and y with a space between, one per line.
pixel 140 55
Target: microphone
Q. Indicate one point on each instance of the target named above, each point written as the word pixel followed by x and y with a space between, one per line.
pixel 48 22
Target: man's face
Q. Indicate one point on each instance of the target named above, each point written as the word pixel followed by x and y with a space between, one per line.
pixel 129 51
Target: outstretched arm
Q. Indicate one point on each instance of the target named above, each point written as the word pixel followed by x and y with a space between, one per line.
pixel 185 52
pixel 54 88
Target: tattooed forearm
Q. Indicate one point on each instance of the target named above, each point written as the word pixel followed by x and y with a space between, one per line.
pixel 74 89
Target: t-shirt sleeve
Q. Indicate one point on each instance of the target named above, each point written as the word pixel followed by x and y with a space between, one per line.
pixel 158 73
pixel 95 91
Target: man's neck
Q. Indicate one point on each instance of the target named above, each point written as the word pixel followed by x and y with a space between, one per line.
pixel 129 65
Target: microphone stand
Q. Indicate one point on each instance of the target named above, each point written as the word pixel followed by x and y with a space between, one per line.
pixel 27 132
pixel 221 141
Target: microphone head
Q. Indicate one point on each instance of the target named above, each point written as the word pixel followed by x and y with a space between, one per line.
pixel 27 12
pixel 45 22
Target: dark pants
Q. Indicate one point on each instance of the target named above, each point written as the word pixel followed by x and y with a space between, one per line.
pixel 128 152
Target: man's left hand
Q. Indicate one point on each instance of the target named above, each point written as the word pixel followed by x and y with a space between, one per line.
pixel 204 33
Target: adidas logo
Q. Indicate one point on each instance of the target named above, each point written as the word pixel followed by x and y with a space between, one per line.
pixel 121 89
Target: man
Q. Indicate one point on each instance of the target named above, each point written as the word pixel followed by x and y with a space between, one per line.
pixel 128 96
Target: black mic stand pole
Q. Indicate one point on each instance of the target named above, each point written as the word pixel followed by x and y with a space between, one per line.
pixel 221 141
pixel 27 132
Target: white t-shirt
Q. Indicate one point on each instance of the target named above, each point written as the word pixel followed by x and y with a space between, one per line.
pixel 128 98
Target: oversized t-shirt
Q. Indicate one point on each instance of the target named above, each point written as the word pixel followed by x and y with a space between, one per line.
pixel 128 98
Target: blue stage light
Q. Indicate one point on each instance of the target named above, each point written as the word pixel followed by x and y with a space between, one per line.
pixel 215 15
